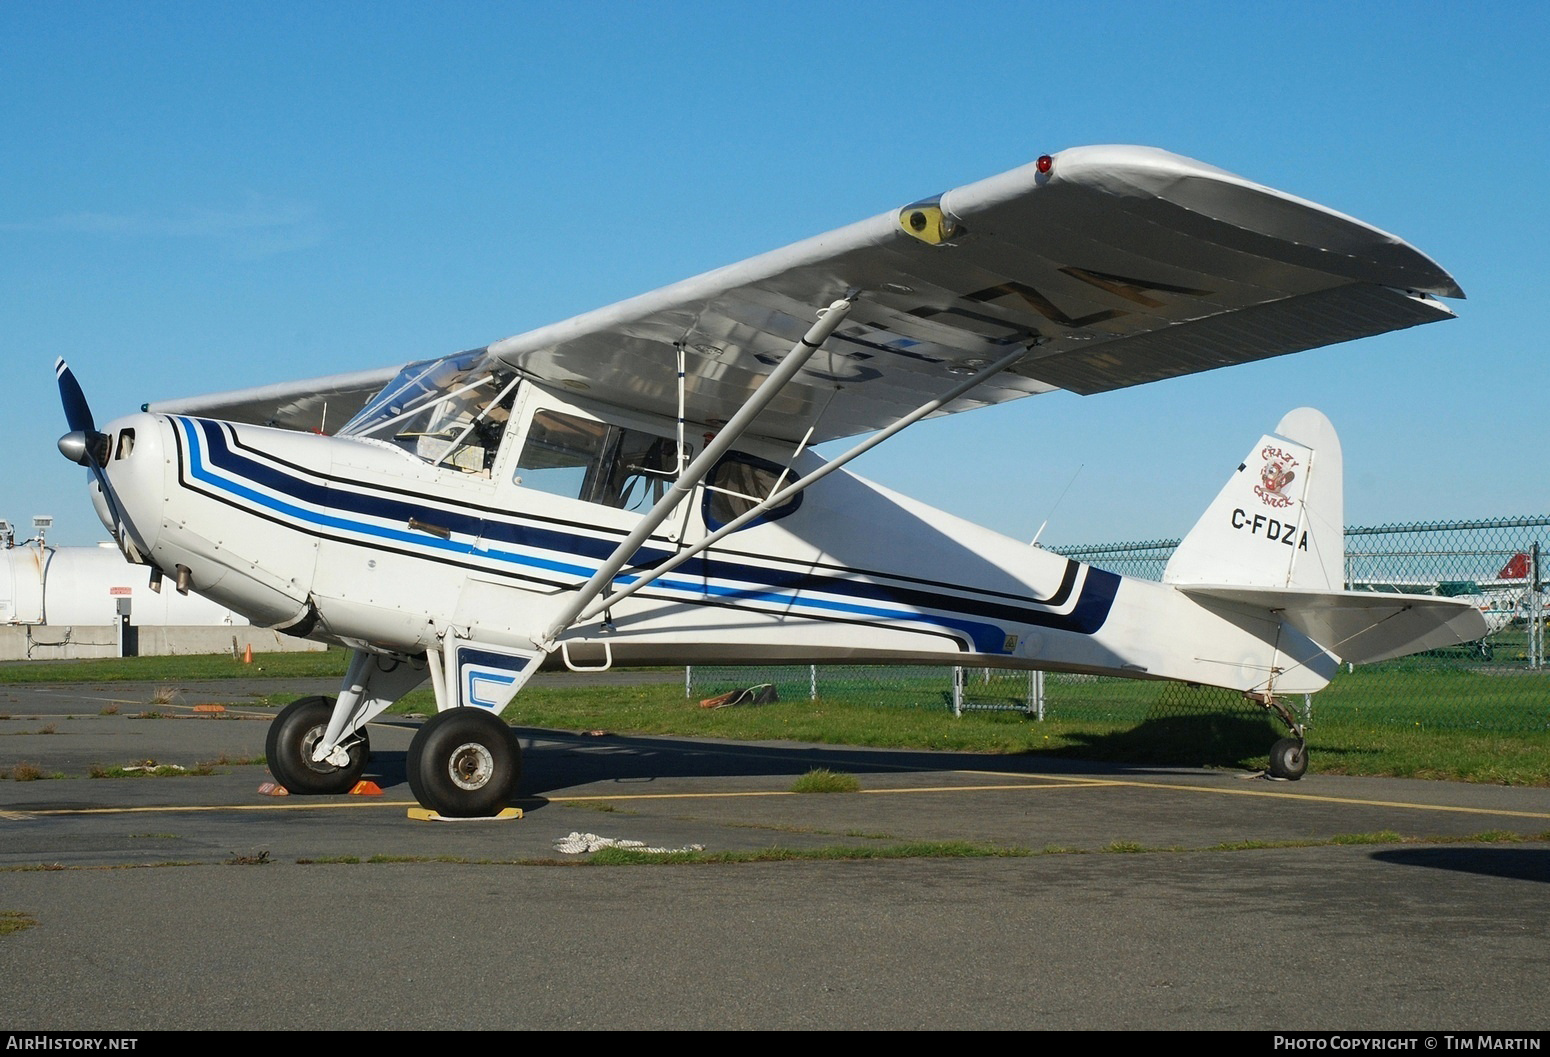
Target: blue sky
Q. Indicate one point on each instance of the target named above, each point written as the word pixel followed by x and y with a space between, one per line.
pixel 202 196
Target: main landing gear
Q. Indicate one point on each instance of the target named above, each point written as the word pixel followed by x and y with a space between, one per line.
pixel 1289 756
pixel 465 763
pixel 293 735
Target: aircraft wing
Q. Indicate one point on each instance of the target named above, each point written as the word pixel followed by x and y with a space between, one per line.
pixel 1116 266
pixel 318 404
pixel 1359 626
pixel 1109 266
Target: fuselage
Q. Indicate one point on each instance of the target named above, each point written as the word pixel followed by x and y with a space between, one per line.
pixel 365 542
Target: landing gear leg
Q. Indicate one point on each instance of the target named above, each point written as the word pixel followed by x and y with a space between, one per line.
pixel 319 744
pixel 465 762
pixel 1289 756
pixel 294 735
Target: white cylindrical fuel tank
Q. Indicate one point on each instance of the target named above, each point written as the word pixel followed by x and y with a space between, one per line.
pixel 21 585
pixel 68 586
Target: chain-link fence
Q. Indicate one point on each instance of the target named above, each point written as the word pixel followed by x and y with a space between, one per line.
pixel 1500 683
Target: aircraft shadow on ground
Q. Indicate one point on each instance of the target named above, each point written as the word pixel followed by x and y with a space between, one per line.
pixel 557 761
pixel 1522 864
pixel 1240 740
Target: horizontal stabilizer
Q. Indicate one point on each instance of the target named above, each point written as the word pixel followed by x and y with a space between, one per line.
pixel 1357 626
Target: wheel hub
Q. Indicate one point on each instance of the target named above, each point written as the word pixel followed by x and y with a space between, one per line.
pixel 471 766
pixel 309 742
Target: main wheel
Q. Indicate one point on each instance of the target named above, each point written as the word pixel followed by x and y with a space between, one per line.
pixel 464 763
pixel 288 749
pixel 1289 759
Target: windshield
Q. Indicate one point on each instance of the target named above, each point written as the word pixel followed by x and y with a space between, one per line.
pixel 450 411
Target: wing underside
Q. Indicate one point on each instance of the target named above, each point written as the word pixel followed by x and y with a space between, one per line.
pixel 1118 266
pixel 1108 266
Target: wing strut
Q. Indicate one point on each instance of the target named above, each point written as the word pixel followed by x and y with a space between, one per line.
pixel 771 387
pixel 779 497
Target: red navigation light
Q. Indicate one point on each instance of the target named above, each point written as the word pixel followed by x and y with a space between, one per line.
pixel 1045 163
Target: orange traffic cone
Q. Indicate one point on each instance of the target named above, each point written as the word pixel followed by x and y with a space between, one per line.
pixel 247 654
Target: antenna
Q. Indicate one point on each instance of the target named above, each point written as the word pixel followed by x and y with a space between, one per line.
pixel 1035 541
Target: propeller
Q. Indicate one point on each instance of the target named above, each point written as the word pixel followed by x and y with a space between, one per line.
pixel 83 444
pixel 77 411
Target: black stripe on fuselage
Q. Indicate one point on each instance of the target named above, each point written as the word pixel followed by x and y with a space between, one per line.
pixel 336 494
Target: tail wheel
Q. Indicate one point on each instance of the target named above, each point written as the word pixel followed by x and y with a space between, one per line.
pixel 464 763
pixel 1289 759
pixel 293 735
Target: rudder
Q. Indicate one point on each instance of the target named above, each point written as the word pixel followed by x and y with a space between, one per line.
pixel 1279 521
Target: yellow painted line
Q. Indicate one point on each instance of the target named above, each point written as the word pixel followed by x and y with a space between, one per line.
pixel 291 805
pixel 1288 795
pixel 175 808
pixel 1040 783
pixel 1054 782
pixel 1039 786
pixel 1356 801
pixel 610 797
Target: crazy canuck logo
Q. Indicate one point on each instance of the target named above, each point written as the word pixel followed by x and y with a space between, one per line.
pixel 1274 476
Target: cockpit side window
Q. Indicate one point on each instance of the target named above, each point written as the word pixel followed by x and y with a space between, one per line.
pixel 561 454
pixel 643 470
pixel 581 458
pixel 737 484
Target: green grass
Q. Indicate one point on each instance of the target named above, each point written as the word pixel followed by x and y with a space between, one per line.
pixel 1412 718
pixel 1141 723
pixel 28 772
pixel 15 921
pixel 823 780
pixel 328 664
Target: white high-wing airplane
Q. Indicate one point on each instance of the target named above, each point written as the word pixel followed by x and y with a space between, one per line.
pixel 635 485
pixel 1502 599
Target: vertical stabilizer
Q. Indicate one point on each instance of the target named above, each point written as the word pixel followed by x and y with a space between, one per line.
pixel 1279 522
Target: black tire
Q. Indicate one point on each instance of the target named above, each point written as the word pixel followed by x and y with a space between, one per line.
pixel 288 750
pixel 1289 759
pixel 464 763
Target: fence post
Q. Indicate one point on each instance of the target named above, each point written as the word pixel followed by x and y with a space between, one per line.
pixel 957 691
pixel 812 682
pixel 1038 693
pixel 688 681
pixel 1536 611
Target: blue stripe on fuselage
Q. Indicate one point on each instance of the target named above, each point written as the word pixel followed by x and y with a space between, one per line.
pixel 782 587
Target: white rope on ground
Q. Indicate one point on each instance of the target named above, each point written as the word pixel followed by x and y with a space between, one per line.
pixel 578 843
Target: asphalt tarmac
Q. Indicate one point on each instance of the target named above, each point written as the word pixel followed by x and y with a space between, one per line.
pixel 1137 897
